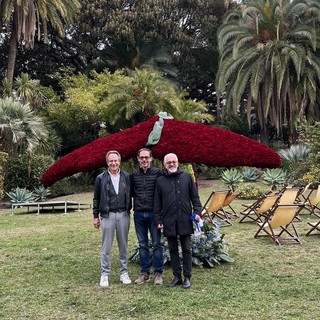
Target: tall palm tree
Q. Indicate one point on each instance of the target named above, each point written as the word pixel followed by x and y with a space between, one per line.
pixel 26 16
pixel 268 57
pixel 20 128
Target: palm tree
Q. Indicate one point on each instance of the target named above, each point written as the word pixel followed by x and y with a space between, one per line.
pixel 145 93
pixel 20 128
pixel 28 90
pixel 268 57
pixel 26 16
pixel 190 110
pixel 140 96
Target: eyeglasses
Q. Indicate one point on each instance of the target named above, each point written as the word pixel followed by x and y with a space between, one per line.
pixel 144 158
pixel 171 162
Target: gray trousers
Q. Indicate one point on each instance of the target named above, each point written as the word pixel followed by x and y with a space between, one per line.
pixel 118 223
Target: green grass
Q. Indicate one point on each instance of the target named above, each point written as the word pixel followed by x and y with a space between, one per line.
pixel 50 269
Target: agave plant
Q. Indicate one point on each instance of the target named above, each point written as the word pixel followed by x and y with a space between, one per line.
pixel 250 175
pixel 41 193
pixel 231 177
pixel 295 154
pixel 20 195
pixel 275 177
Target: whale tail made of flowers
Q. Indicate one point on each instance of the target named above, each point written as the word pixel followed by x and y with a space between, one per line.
pixel 192 142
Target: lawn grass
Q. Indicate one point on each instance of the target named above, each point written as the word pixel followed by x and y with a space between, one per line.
pixel 50 269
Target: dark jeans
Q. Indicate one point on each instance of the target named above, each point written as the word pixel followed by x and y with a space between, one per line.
pixel 185 242
pixel 144 223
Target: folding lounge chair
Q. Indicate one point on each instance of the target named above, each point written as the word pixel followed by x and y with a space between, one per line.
pixel 213 205
pixel 305 193
pixel 227 204
pixel 314 226
pixel 289 196
pixel 267 204
pixel 250 209
pixel 313 202
pixel 277 223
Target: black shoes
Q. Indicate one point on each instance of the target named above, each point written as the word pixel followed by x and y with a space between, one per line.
pixel 176 281
pixel 186 283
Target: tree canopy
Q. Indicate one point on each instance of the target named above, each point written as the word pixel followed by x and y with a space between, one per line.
pixel 23 17
pixel 268 56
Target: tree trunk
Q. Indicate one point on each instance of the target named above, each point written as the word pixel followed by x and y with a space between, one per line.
pixel 12 55
pixel 264 136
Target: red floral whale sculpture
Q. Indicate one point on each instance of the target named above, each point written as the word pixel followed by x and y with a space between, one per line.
pixel 192 142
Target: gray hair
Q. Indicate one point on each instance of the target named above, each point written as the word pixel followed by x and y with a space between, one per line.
pixel 113 152
pixel 170 155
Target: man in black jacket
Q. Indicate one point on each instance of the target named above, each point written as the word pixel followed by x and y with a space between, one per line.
pixel 112 199
pixel 176 199
pixel 143 184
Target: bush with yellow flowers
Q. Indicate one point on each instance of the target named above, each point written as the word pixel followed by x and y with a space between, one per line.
pixel 249 191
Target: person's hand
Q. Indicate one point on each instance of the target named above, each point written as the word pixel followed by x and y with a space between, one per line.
pixel 159 226
pixel 197 218
pixel 96 223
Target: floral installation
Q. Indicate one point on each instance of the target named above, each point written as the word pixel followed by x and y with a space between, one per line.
pixel 192 142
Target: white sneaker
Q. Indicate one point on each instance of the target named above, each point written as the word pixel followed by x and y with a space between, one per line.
pixel 124 278
pixel 104 281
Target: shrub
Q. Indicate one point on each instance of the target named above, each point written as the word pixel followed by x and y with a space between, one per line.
pixel 62 187
pixel 3 161
pixel 80 182
pixel 275 177
pixel 20 195
pixel 249 191
pixel 231 177
pixel 187 167
pixel 295 154
pixel 297 172
pixel 312 175
pixel 250 174
pixel 18 175
pixel 310 136
pixel 41 193
pixel 1 186
pixel 209 173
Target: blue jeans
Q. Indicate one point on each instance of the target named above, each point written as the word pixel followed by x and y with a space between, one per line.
pixel 144 223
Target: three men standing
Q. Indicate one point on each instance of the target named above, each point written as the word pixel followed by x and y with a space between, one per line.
pixel 143 186
pixel 162 200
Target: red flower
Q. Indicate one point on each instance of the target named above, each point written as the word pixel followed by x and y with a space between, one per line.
pixel 192 142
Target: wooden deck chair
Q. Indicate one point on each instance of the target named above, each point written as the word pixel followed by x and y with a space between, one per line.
pixel 267 204
pixel 313 202
pixel 227 204
pixel 289 196
pixel 277 223
pixel 250 208
pixel 305 193
pixel 314 226
pixel 213 205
